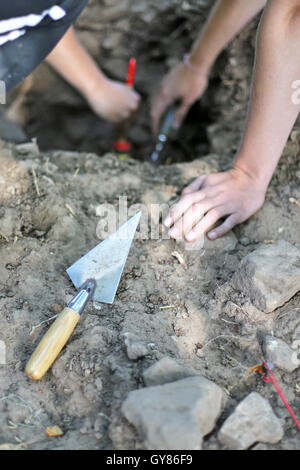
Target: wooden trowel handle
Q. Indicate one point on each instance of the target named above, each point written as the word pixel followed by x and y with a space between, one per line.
pixel 51 344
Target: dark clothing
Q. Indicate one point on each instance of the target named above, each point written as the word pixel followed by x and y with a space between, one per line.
pixel 26 40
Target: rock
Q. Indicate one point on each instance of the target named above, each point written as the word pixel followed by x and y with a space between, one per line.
pixel 270 275
pixel 164 371
pixel 136 348
pixel 175 415
pixel 280 354
pixel 252 421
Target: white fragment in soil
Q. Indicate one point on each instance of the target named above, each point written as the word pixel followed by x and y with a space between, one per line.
pixel 176 415
pixel 252 421
pixel 179 257
pixel 164 371
pixel 280 354
pixel 135 347
pixel 97 305
pixel 270 275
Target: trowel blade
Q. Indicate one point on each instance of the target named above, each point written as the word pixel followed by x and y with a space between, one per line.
pixel 105 262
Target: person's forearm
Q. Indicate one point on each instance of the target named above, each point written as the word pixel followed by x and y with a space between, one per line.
pixel 272 112
pixel 72 61
pixel 226 20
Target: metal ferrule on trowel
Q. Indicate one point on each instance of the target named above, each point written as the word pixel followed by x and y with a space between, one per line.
pixel 80 300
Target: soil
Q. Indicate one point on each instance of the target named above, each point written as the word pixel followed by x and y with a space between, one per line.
pixel 188 311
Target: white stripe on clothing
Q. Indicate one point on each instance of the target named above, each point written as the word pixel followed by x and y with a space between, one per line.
pixel 12 24
pixel 11 36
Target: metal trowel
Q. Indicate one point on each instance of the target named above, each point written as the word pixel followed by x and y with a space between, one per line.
pixel 96 275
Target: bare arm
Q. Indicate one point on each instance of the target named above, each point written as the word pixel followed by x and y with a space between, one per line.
pixel 228 17
pixel 112 100
pixel 272 112
pixel 240 192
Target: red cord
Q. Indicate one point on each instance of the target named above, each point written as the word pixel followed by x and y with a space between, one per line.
pixel 271 378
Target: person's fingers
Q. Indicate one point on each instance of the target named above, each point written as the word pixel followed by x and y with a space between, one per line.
pixel 180 114
pixel 136 95
pixel 182 206
pixel 111 117
pixel 135 98
pixel 188 200
pixel 121 116
pixel 191 218
pixel 206 223
pixel 229 223
pixel 134 105
pixel 194 186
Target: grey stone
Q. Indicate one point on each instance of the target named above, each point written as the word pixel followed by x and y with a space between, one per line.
pixel 280 354
pixel 164 371
pixel 270 275
pixel 252 421
pixel 175 415
pixel 135 347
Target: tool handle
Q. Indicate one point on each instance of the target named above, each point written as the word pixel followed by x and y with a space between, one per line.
pixel 131 72
pixel 51 344
pixel 167 124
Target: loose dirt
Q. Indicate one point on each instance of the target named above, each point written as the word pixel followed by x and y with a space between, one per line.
pixel 183 303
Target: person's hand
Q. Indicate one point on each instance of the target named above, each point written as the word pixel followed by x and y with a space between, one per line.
pixel 233 194
pixel 180 84
pixel 113 101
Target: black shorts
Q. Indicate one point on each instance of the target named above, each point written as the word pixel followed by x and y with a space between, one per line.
pixel 29 30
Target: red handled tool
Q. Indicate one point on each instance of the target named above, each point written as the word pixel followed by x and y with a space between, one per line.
pixel 131 72
pixel 121 145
